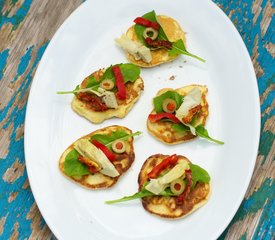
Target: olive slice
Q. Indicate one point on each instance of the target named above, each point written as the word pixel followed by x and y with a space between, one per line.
pixel 169 105
pixel 107 84
pixel 119 146
pixel 177 186
pixel 150 33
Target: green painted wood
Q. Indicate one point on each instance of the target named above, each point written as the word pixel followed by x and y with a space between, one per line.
pixel 26 28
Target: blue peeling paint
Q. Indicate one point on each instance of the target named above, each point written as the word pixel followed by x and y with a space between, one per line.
pixel 3 61
pixel 17 213
pixel 249 33
pixel 18 17
pixel 264 195
pixel 24 61
pixel 267 228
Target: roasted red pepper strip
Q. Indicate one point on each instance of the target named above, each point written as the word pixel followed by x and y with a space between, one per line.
pixel 119 82
pixel 158 116
pixel 104 149
pixel 147 23
pixel 180 198
pixel 93 101
pixel 171 160
pixel 90 164
pixel 158 43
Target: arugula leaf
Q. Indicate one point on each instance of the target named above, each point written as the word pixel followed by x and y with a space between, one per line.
pixel 130 73
pixel 169 94
pixel 73 167
pixel 141 194
pixel 202 132
pixel 178 47
pixel 107 140
pixel 198 175
pixel 178 127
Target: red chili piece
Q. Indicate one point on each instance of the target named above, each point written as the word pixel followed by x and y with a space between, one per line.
pixel 93 101
pixel 119 82
pixel 147 23
pixel 104 149
pixel 167 162
pixel 181 198
pixel 158 116
pixel 158 43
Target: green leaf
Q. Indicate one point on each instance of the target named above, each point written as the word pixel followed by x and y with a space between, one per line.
pixel 178 127
pixel 178 47
pixel 130 73
pixel 195 119
pixel 73 167
pixel 91 81
pixel 169 94
pixel 141 194
pixel 139 29
pixel 198 175
pixel 202 132
pixel 107 140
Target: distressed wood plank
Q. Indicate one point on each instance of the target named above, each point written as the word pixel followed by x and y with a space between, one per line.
pixel 255 22
pixel 26 27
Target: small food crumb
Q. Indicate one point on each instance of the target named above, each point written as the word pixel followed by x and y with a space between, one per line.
pixel 172 77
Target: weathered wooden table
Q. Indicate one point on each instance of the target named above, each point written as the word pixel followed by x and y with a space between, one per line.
pixel 27 26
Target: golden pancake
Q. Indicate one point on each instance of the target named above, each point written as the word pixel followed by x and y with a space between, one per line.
pixel 163 131
pixel 122 162
pixel 133 91
pixel 172 30
pixel 167 207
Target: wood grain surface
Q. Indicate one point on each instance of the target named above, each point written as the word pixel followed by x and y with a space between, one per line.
pixel 27 26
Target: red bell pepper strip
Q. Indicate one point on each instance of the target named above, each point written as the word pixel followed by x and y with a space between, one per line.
pixel 180 198
pixel 165 163
pixel 104 149
pixel 147 23
pixel 158 116
pixel 119 82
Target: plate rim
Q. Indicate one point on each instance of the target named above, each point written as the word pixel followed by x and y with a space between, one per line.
pixel 255 92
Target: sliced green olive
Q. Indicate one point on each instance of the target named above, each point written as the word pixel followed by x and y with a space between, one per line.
pixel 119 146
pixel 177 186
pixel 150 33
pixel 169 105
pixel 107 84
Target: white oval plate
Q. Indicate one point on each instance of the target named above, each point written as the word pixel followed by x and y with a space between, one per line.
pixel 85 43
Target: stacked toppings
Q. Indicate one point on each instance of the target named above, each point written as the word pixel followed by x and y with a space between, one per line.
pixel 176 108
pixel 100 90
pixel 151 37
pixel 97 154
pixel 173 176
pixel 181 113
pixel 190 106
